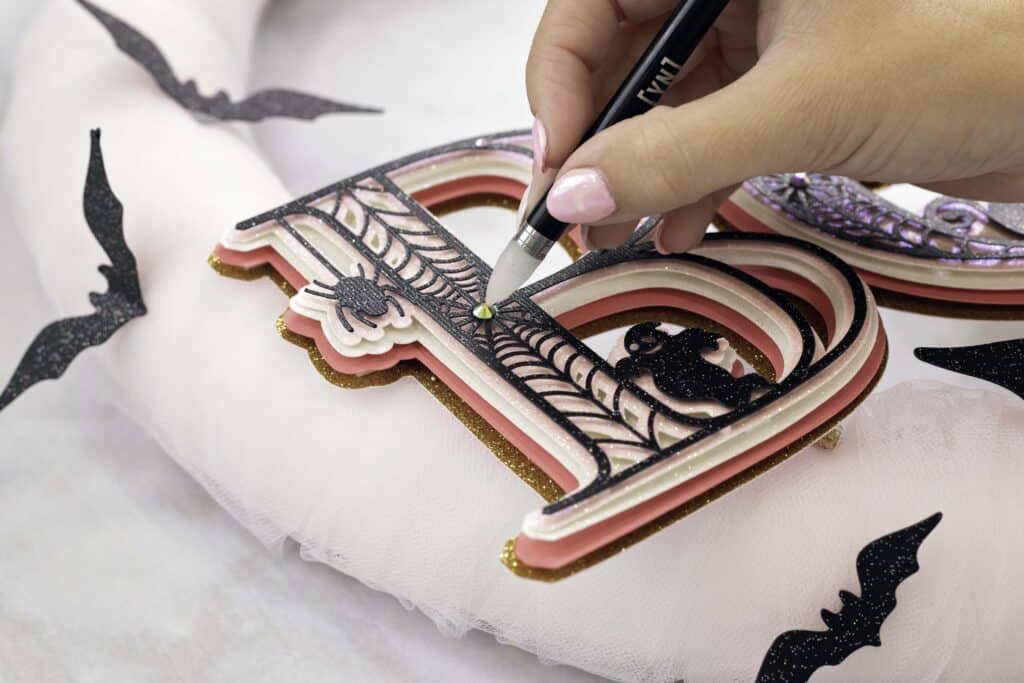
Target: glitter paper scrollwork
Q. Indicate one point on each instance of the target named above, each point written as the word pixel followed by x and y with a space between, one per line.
pixel 955 257
pixel 379 280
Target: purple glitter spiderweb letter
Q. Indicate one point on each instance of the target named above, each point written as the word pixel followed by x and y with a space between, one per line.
pixel 849 211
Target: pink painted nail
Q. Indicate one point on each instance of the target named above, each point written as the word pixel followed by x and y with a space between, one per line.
pixel 540 145
pixel 581 196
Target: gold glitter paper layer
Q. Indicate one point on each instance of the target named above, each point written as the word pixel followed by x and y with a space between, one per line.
pixel 250 274
pixel 511 560
pixel 507 454
pixel 945 309
pixel 511 456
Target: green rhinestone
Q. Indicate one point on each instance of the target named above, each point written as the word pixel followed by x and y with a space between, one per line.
pixel 484 311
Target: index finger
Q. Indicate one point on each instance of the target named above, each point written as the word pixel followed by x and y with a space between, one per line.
pixel 570 45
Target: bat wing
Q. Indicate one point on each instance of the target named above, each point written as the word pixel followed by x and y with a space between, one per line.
pixel 53 350
pixel 59 343
pixel 882 566
pixel 260 105
pixel 140 48
pixel 887 562
pixel 1001 363
pixel 292 104
pixel 795 655
pixel 104 214
pixel 103 211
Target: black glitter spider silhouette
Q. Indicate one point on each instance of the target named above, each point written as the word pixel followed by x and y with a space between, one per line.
pixel 363 297
pixel 679 369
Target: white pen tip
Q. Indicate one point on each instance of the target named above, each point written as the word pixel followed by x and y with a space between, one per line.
pixel 513 268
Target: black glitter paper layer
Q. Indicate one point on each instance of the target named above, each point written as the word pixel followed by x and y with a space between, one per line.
pixel 60 342
pixel 882 566
pixel 1001 363
pixel 258 106
pixel 446 281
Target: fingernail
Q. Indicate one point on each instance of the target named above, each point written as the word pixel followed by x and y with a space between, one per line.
pixel 676 239
pixel 585 238
pixel 539 184
pixel 540 146
pixel 581 196
pixel 524 204
pixel 659 240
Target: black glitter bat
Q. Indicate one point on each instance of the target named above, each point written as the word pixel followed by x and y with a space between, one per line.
pixel 882 566
pixel 258 106
pixel 1001 363
pixel 59 343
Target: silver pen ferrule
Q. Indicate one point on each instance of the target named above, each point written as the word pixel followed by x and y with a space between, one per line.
pixel 533 243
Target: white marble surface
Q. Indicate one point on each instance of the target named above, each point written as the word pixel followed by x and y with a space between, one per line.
pixel 114 564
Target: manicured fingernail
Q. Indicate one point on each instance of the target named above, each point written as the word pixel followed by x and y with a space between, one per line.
pixel 581 196
pixel 585 238
pixel 524 204
pixel 540 146
pixel 539 184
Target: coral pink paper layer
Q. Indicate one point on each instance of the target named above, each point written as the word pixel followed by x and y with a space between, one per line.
pixel 744 221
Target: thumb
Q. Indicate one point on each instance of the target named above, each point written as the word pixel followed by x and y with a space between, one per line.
pixel 770 120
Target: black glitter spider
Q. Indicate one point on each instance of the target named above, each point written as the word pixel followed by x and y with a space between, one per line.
pixel 678 367
pixel 361 296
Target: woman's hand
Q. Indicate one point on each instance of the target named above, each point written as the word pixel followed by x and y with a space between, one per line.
pixel 922 91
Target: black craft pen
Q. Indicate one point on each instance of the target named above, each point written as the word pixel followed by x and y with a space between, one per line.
pixel 640 92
